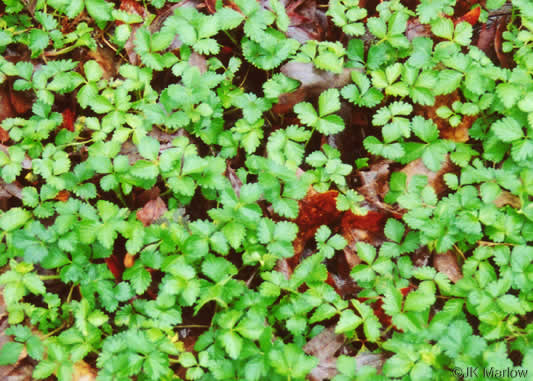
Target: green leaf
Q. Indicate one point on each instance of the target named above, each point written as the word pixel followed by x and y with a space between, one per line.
pixel 509 94
pixel 377 27
pixel 139 277
pixel 156 365
pixel 99 10
pixel 306 113
pixel 218 269
pixel 507 129
pixel 422 298
pixel 397 366
pixel 10 352
pixel 526 103
pixel 394 230
pixel 228 18
pixel 149 147
pixel 44 369
pixel 234 233
pixel 279 84
pixel 424 129
pixel 348 322
pixel 366 252
pixel 232 344
pixel 442 27
pixel 13 219
pixel 328 102
pixel 38 41
pixel 34 284
pixel 330 125
pixel 463 33
pixel 282 20
pixel 144 170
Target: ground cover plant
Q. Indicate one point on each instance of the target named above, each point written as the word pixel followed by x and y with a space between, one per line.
pixel 266 190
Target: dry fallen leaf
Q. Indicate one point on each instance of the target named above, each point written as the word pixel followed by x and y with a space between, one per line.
pixel 6 110
pixel 506 198
pixel 63 195
pixel 447 264
pixel 416 29
pixel 152 211
pixel 435 179
pixel 457 134
pixel 13 189
pixel 129 260
pixel 313 82
pixel 83 372
pixel 324 346
pixel 316 209
pixel 471 17
pixel 133 7
pixel 236 183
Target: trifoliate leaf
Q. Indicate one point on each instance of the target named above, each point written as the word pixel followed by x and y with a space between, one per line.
pixel 507 129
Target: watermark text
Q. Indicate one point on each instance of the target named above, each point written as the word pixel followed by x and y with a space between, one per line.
pixel 490 372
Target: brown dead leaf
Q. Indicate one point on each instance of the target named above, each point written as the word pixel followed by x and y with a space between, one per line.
pixel 375 181
pixel 506 198
pixel 22 371
pixel 421 257
pixel 26 163
pixel 435 179
pixel 345 286
pixel 371 222
pixel 21 101
pixel 129 260
pixel 485 39
pixel 306 22
pixel 368 228
pixel 83 372
pixel 6 110
pixel 132 7
pixel 350 255
pixel 140 199
pixel 63 195
pixel 7 370
pixel 4 135
pixel 416 29
pixel 316 209
pixel 506 59
pixel 10 190
pixel 457 134
pixel 283 267
pixel 287 101
pixel 324 346
pixel 313 82
pixel 107 59
pixel 236 183
pixel 375 360
pixel 152 211
pixel 471 17
pixel 447 264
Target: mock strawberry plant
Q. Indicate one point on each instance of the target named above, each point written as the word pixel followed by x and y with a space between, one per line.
pixel 281 190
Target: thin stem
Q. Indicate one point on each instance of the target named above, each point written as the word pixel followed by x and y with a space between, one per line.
pixel 51 333
pixel 49 277
pixel 310 137
pixel 231 38
pixel 69 296
pixel 245 77
pixel 460 252
pixel 192 326
pixel 61 51
pixel 486 243
pixel 121 197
